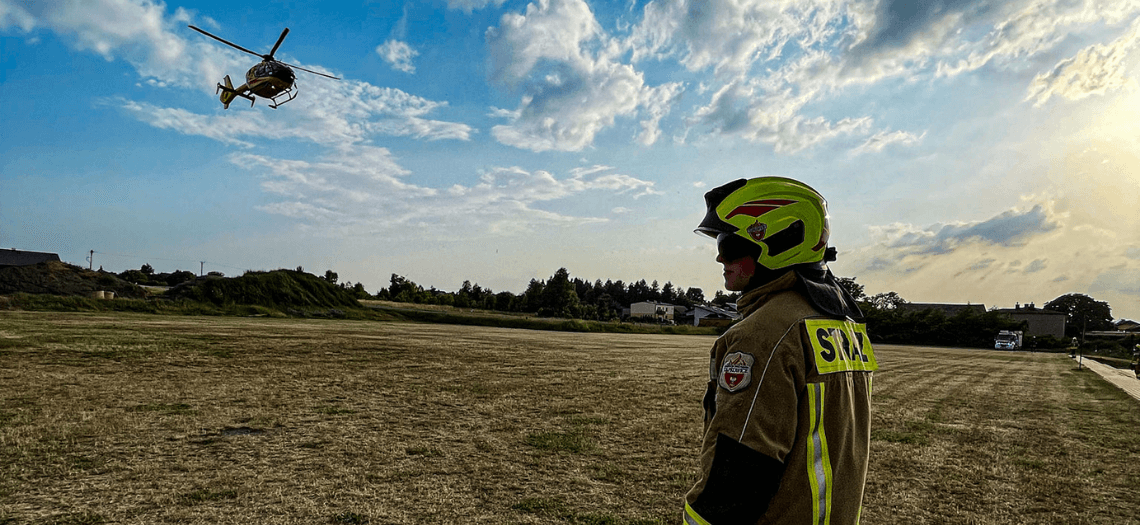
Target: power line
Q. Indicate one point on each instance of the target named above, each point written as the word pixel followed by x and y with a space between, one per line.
pixel 147 258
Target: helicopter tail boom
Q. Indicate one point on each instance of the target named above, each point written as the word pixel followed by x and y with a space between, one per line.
pixel 229 93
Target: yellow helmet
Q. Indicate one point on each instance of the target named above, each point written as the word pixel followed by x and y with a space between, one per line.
pixel 782 220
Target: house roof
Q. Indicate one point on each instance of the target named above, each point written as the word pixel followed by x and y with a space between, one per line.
pixel 1028 311
pixel 655 303
pixel 717 310
pixel 14 257
pixel 1127 325
pixel 948 309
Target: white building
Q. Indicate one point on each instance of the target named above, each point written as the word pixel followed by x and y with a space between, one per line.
pixel 660 311
pixel 710 315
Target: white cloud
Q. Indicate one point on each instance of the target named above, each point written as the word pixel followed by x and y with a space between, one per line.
pixel 658 102
pixel 12 15
pixel 1095 70
pixel 398 54
pixel 330 113
pixel 362 189
pixel 982 261
pixel 225 128
pixel 572 84
pixel 731 35
pixel 882 139
pixel 472 5
pixel 1036 266
pixel 1010 228
pixel 774 60
pixel 140 32
pixel 550 30
pixel 739 109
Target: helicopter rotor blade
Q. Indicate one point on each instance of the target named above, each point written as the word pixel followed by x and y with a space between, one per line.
pixel 278 44
pixel 309 71
pixel 227 42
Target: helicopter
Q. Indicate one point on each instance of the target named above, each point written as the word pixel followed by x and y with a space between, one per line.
pixel 270 78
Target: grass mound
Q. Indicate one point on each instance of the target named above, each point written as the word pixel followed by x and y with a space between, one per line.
pixel 59 278
pixel 280 289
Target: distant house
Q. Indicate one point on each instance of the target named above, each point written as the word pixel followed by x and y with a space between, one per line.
pixel 1123 328
pixel 1128 325
pixel 1038 320
pixel 950 310
pixel 663 311
pixel 14 257
pixel 710 315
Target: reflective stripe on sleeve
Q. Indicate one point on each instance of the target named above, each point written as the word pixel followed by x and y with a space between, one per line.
pixel 692 518
pixel 819 462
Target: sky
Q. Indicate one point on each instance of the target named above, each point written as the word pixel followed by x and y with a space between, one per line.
pixel 971 151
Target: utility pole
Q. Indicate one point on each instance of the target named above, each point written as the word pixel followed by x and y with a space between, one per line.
pixel 201 267
pixel 91 260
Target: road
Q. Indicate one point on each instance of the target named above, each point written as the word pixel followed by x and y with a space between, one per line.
pixel 1124 379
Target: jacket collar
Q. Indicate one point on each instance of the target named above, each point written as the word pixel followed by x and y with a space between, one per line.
pixel 751 300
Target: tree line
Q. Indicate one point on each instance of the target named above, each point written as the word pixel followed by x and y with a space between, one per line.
pixel 887 322
pixel 559 296
pixel 574 298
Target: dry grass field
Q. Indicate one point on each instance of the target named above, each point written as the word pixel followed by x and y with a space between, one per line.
pixel 129 418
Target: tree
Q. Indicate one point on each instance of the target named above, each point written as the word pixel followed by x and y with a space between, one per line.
pixel 853 288
pixel 1082 313
pixel 559 299
pixel 402 290
pixel 531 299
pixel 179 277
pixel 147 269
pixel 886 301
pixel 695 295
pixel 134 276
pixel 723 299
pixel 330 276
pixel 505 301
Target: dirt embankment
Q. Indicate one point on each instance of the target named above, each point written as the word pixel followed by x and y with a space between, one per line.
pixel 59 278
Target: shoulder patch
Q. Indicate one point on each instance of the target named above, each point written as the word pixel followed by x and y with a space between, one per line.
pixel 840 346
pixel 736 371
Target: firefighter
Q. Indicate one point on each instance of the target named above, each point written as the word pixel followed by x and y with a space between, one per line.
pixel 1136 361
pixel 787 405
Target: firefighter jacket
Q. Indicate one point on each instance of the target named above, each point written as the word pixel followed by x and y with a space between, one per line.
pixel 787 416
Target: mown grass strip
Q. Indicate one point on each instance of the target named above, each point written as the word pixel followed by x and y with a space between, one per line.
pixel 556 508
pixel 204 495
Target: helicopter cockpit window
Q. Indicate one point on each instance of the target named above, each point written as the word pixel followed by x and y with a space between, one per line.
pixel 273 69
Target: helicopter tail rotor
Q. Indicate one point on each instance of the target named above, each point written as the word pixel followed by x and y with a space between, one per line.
pixel 229 93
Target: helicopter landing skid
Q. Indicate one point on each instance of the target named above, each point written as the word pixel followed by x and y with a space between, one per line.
pixel 291 93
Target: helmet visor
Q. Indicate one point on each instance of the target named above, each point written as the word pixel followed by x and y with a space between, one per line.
pixel 731 247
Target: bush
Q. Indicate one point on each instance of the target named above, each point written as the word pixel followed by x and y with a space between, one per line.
pixel 277 289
